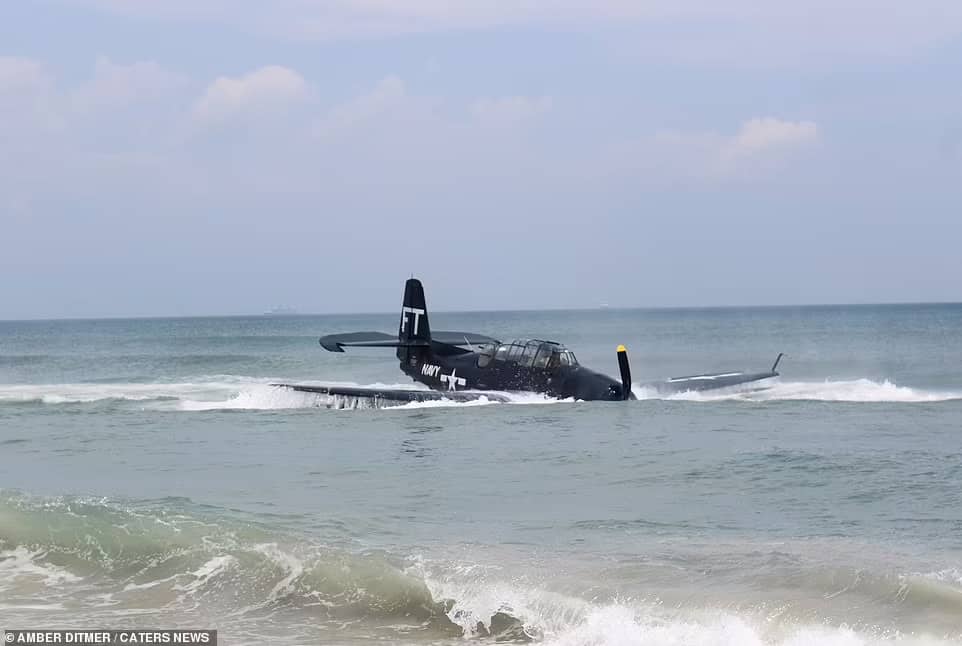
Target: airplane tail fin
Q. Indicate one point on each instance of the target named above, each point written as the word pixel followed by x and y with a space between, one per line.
pixel 414 320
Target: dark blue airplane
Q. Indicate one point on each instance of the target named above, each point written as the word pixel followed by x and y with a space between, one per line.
pixel 464 366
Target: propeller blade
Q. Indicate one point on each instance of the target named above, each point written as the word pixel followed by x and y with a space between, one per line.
pixel 625 371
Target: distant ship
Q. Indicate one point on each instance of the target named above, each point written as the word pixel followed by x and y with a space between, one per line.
pixel 281 310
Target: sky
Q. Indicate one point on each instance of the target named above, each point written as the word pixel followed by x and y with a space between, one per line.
pixel 204 157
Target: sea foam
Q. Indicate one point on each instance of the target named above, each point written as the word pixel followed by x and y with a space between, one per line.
pixel 226 392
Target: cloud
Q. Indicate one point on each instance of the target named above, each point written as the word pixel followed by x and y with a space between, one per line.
pixel 348 19
pixel 387 95
pixel 145 122
pixel 265 90
pixel 27 100
pixel 20 74
pixel 759 137
pixel 510 109
pixel 111 86
pixel 119 86
pixel 749 31
pixel 756 150
pixel 386 131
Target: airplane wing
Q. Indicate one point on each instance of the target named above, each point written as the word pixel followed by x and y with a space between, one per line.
pixel 398 395
pixel 712 381
pixel 337 342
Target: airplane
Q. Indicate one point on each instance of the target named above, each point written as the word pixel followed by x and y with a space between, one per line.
pixel 464 366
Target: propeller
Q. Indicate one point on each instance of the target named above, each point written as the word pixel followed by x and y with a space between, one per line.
pixel 625 372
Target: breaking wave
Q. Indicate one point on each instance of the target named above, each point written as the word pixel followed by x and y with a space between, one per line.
pixel 173 560
pixel 809 604
pixel 99 556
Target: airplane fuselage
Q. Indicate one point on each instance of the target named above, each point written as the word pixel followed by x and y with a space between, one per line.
pixel 463 372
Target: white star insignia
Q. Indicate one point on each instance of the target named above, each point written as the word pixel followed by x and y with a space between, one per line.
pixel 453 381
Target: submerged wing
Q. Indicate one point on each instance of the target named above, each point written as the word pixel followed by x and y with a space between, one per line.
pixel 709 382
pixel 400 394
pixel 714 380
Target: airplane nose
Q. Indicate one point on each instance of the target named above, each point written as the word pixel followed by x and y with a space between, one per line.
pixel 587 385
pixel 616 392
pixel 594 387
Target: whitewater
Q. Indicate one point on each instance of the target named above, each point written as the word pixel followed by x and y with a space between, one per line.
pixel 151 476
pixel 239 392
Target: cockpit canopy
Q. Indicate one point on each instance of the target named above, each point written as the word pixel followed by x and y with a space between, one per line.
pixel 530 353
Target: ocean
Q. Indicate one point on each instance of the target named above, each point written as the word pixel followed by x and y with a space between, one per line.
pixel 150 477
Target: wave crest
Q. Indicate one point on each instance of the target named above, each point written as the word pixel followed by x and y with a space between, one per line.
pixel 97 553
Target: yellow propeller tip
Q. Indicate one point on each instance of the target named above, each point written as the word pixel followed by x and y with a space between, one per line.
pixel 622 348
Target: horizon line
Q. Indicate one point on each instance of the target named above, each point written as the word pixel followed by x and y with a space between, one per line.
pixel 266 315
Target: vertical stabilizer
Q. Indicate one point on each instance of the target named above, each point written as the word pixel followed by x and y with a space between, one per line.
pixel 414 318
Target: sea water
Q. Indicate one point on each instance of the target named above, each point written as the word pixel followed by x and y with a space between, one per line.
pixel 150 476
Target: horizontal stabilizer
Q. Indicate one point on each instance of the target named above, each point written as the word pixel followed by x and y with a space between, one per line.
pixel 337 342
